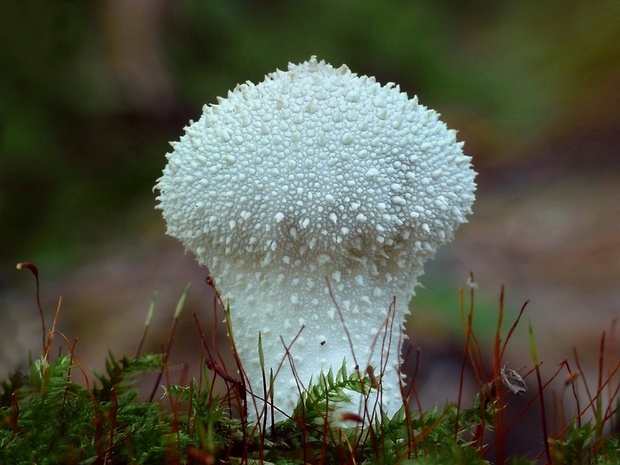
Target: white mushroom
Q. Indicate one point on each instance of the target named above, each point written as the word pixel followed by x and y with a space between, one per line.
pixel 316 176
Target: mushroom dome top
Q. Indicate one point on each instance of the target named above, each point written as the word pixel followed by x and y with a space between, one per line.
pixel 315 162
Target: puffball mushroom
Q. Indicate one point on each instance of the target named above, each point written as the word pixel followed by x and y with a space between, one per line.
pixel 314 198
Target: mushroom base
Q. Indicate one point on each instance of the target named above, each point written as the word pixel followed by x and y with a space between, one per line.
pixel 308 329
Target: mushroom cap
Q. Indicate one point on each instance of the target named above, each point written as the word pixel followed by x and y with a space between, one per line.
pixel 316 165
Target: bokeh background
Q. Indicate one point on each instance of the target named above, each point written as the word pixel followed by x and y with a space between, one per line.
pixel 91 93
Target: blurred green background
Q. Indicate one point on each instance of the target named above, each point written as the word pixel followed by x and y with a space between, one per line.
pixel 91 92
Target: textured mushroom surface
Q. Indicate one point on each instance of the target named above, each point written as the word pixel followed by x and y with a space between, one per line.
pixel 317 175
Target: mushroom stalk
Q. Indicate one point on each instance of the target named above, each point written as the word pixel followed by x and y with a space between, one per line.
pixel 314 198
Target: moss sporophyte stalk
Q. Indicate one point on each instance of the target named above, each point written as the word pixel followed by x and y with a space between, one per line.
pixel 315 198
pixel 48 417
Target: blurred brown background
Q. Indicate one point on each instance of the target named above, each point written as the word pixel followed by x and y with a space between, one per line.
pixel 91 93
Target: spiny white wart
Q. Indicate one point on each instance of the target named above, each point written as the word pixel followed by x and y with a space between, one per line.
pixel 314 176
